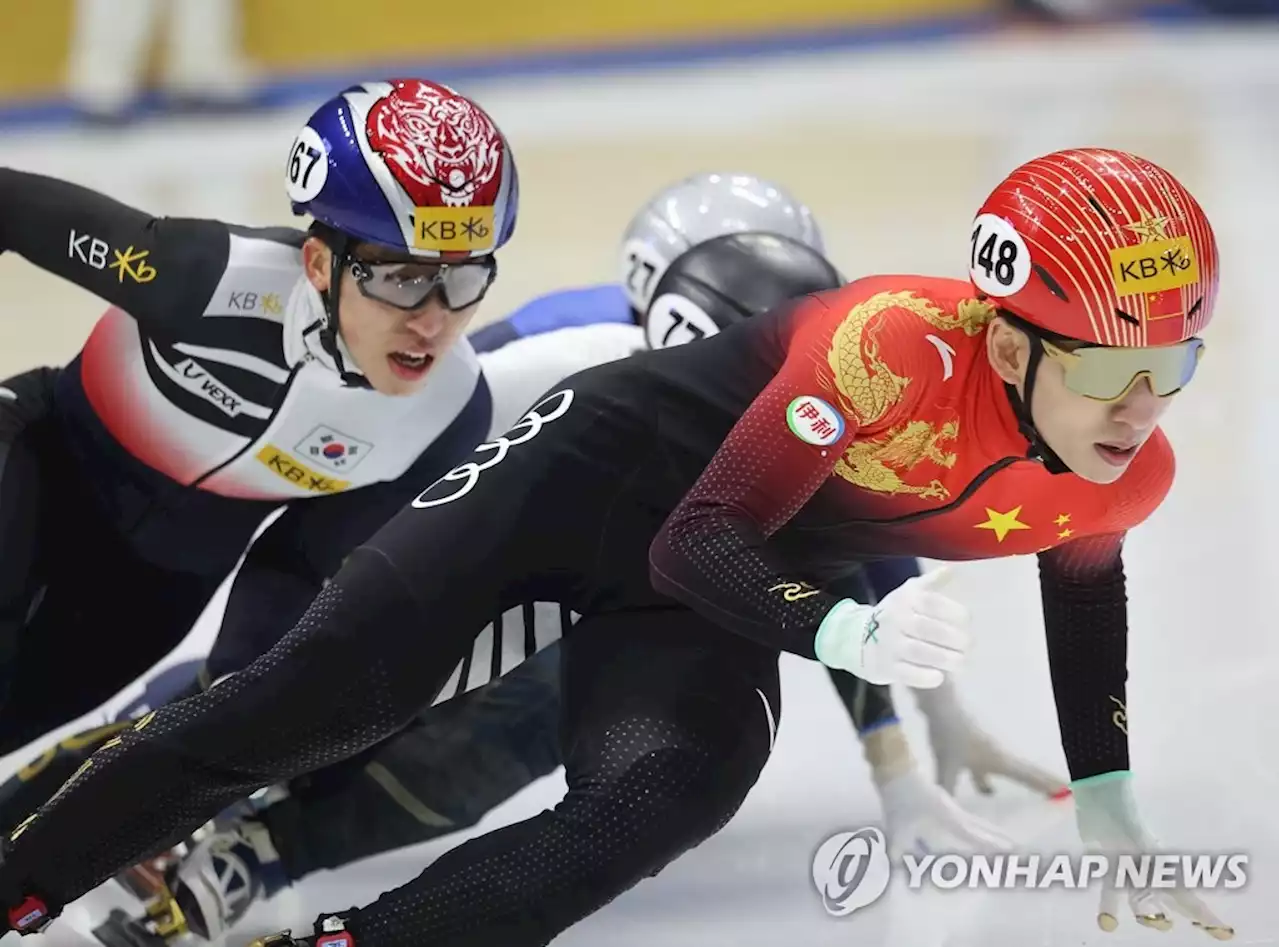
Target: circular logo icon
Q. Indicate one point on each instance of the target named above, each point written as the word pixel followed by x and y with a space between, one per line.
pixel 814 421
pixel 851 870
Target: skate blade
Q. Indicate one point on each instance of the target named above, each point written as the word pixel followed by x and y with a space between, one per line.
pixel 121 930
pixel 163 924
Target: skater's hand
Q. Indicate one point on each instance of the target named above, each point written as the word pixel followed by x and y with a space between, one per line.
pixel 915 636
pixel 921 817
pixel 1107 818
pixel 959 745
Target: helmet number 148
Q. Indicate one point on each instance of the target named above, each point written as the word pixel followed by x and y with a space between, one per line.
pixel 999 262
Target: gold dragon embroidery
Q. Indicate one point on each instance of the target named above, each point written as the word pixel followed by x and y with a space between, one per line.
pixel 874 464
pixel 867 389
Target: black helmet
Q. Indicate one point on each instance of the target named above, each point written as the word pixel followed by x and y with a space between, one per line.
pixel 730 278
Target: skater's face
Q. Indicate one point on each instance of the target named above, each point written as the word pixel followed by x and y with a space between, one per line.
pixel 393 346
pixel 1096 439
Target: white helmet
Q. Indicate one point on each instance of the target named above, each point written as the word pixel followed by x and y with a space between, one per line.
pixel 700 208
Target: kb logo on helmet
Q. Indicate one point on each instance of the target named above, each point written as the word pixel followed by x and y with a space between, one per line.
pixel 1154 267
pixel 451 229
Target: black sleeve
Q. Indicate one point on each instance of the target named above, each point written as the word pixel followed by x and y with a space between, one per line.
pixel 1086 631
pixel 288 564
pixel 714 553
pixel 160 270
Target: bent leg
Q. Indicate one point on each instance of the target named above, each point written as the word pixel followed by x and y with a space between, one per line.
pixel 668 723
pixel 451 766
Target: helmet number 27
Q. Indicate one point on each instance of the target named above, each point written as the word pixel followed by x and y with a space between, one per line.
pixel 999 262
pixel 642 267
pixel 640 276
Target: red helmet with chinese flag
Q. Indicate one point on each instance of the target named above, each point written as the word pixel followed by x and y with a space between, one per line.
pixel 1098 246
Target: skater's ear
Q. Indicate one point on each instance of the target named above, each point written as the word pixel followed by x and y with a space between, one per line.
pixel 317 260
pixel 1008 351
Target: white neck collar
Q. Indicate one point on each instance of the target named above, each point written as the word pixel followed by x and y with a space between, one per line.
pixel 304 319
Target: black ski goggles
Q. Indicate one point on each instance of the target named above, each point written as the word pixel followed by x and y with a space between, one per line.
pixel 408 285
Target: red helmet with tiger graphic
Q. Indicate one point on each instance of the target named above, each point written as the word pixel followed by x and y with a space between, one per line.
pixel 1099 246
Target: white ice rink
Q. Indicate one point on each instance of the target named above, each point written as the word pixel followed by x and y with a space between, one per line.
pixel 894 149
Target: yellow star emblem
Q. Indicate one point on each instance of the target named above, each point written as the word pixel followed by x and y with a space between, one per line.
pixel 1063 519
pixel 1066 534
pixel 1002 523
pixel 1150 228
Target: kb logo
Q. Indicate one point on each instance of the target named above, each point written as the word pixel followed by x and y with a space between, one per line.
pixel 452 229
pixel 851 870
pixel 467 474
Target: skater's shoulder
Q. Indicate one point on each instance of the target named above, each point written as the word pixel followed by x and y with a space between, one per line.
pixel 265 247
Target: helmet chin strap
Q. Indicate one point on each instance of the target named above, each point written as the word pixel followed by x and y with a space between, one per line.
pixel 329 333
pixel 1038 449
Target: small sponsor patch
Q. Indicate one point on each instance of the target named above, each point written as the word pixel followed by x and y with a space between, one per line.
pixel 298 474
pixel 1154 267
pixel 814 421
pixel 453 229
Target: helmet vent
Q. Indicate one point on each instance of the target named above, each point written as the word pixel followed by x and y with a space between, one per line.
pixel 1093 202
pixel 1127 318
pixel 1050 282
pixel 1191 313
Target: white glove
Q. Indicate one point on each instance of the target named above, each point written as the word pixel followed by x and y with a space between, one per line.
pixel 915 636
pixel 1107 818
pixel 919 816
pixel 959 744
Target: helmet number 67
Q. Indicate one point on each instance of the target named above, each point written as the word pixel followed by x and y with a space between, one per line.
pixel 307 169
pixel 295 163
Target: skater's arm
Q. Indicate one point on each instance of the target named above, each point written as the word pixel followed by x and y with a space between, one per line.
pixel 713 553
pixel 1082 585
pixel 160 270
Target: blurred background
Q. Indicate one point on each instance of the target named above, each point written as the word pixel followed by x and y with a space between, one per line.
pixel 893 119
pixel 110 59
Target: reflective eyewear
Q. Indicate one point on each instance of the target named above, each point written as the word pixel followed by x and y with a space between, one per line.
pixel 408 285
pixel 1108 373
